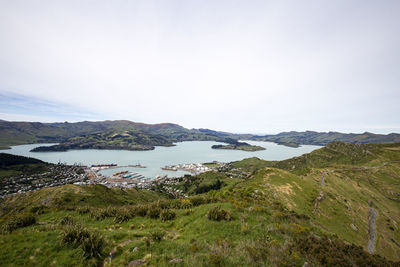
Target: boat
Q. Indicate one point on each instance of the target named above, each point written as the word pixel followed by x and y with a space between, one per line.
pixel 169 169
pixel 137 166
pixel 119 173
pixel 104 165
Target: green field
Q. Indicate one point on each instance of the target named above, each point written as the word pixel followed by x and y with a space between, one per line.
pixel 267 218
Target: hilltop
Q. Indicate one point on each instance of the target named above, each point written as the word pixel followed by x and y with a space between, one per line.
pixel 322 138
pixel 123 134
pixel 336 206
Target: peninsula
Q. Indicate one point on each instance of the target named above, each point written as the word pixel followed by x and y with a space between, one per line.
pixel 236 145
pixel 128 135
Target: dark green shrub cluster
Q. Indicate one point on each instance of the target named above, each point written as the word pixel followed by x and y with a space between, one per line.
pixel 67 220
pixel 73 235
pixel 218 214
pixel 83 210
pixel 153 212
pixel 39 209
pixel 123 215
pixel 77 236
pixel 201 200
pixel 18 221
pixel 208 187
pixel 92 246
pixel 167 215
pixel 157 235
pixel 334 252
pixel 101 214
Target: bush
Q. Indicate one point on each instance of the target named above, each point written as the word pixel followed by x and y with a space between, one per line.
pixel 67 220
pixel 74 235
pixel 122 215
pixel 163 204
pixel 83 210
pixel 140 210
pixel 39 209
pixel 18 221
pixel 77 236
pixel 185 204
pixel 197 201
pixel 218 214
pixel 167 215
pixel 101 214
pixel 157 235
pixel 153 212
pixel 205 188
pixel 92 246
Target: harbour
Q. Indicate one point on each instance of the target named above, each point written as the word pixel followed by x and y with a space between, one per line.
pixel 183 157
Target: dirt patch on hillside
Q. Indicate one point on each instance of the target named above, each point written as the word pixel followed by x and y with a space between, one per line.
pixel 393 148
pixel 284 191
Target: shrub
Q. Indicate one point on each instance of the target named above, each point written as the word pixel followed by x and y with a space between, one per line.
pixel 162 204
pixel 140 210
pixel 83 210
pixel 216 259
pixel 153 212
pixel 185 204
pixel 74 235
pixel 39 209
pixel 218 214
pixel 122 215
pixel 92 246
pixel 18 221
pixel 77 236
pixel 67 220
pixel 197 201
pixel 101 214
pixel 205 188
pixel 157 235
pixel 167 215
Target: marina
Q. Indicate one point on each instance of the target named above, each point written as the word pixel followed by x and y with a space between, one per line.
pixel 183 157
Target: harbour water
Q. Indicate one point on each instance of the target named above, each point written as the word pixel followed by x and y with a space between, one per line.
pixel 154 160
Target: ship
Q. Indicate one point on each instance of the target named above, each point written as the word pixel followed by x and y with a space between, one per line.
pixel 137 166
pixel 169 169
pixel 119 173
pixel 104 165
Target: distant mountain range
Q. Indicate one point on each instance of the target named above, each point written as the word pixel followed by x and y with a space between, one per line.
pixel 322 138
pixel 124 134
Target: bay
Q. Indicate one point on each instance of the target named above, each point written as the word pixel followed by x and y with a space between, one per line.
pixel 154 160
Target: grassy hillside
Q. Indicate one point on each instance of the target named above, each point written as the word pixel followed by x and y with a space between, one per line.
pixel 127 140
pixel 15 133
pixel 250 213
pixel 352 179
pixel 322 139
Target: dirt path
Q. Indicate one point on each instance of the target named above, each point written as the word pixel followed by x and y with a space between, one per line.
pixel 373 214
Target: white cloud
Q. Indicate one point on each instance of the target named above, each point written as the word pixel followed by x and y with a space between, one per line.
pixel 259 66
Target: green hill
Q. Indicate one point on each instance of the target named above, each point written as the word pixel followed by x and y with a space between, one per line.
pixel 78 135
pixel 319 208
pixel 322 138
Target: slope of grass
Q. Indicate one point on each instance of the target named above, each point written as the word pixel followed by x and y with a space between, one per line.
pixel 269 218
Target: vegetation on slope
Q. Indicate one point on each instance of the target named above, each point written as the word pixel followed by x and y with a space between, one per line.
pixel 236 145
pixel 267 218
pixel 126 140
pixel 15 133
pixel 294 139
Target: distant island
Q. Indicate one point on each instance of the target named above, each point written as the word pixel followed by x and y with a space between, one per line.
pixel 128 135
pixel 126 140
pixel 236 145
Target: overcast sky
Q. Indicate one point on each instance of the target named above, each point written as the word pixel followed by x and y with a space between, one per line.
pixel 239 66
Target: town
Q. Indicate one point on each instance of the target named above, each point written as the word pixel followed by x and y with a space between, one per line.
pixel 60 174
pixel 53 175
